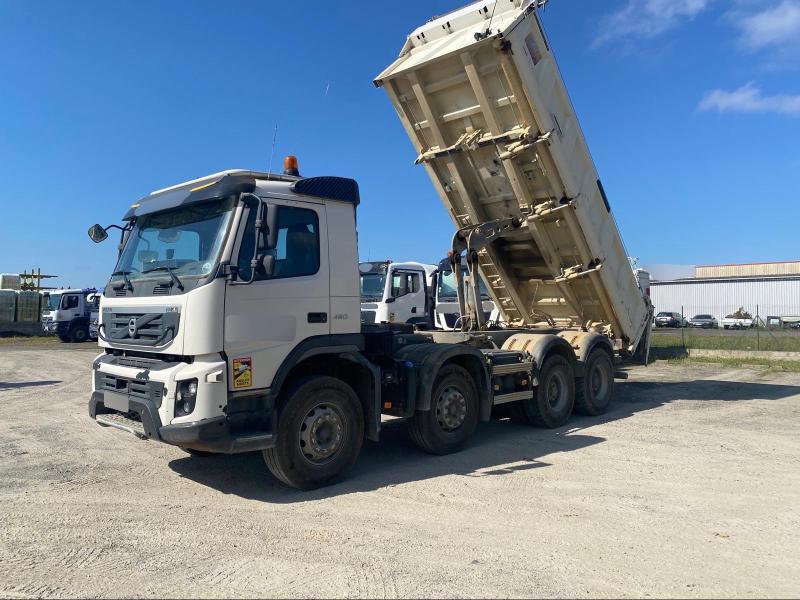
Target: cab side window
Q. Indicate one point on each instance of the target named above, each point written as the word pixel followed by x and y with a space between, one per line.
pixel 296 251
pixel 68 302
pixel 404 284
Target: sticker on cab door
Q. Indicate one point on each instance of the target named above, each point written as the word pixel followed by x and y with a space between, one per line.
pixel 242 372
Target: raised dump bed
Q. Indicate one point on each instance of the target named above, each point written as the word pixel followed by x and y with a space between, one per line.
pixel 481 97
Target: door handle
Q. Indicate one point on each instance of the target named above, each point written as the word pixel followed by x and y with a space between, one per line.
pixel 317 317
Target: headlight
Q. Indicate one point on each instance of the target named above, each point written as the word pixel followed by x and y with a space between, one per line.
pixel 185 397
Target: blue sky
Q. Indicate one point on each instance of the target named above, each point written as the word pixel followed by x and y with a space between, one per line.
pixel 691 109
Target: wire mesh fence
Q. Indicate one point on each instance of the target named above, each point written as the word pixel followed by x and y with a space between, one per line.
pixel 724 328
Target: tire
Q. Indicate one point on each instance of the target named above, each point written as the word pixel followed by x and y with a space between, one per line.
pixel 79 334
pixel 65 338
pixel 554 398
pixel 453 416
pixel 320 433
pixel 593 391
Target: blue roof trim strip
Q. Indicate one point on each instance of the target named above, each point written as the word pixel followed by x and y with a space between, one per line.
pixel 334 188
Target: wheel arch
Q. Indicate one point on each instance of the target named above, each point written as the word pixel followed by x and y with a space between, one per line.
pixel 428 359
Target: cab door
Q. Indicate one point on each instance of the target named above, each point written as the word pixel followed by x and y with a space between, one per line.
pixel 409 296
pixel 266 320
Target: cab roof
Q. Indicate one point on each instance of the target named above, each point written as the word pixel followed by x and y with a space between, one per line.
pixel 238 181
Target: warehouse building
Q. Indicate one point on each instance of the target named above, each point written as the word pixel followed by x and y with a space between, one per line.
pixel 771 290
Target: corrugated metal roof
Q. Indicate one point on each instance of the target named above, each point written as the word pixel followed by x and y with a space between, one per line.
pixel 772 269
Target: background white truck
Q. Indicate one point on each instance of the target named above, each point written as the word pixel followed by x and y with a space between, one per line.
pixel 232 320
pixel 68 313
pixel 447 315
pixel 397 292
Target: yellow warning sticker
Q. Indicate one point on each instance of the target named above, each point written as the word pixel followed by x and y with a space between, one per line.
pixel 242 372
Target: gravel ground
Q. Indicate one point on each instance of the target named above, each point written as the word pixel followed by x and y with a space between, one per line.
pixel 689 487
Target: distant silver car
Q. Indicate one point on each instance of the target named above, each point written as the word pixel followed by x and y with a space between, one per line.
pixel 704 322
pixel 670 319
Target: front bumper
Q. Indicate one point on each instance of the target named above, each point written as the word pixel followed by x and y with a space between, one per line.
pixel 208 435
pixel 142 402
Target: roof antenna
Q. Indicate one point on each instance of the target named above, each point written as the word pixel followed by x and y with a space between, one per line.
pixel 272 153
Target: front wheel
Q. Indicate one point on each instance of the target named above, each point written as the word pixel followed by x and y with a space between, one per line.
pixel 453 415
pixel 593 391
pixel 79 334
pixel 320 433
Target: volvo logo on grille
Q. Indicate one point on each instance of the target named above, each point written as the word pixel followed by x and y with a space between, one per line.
pixel 132 327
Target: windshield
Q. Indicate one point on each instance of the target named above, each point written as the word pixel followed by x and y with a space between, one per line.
pixel 372 286
pixel 706 317
pixel 53 300
pixel 186 239
pixel 447 287
pixel 663 314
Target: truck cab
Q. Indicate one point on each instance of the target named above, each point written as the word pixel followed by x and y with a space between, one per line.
pixel 446 313
pixel 399 292
pixel 67 314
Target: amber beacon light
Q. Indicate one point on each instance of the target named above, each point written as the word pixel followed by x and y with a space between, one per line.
pixel 290 166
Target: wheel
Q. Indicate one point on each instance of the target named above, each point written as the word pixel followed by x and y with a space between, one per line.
pixel 65 338
pixel 593 391
pixel 554 398
pixel 453 416
pixel 320 433
pixel 79 334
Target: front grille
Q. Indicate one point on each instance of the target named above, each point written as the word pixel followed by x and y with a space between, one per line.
pixel 120 292
pixel 151 391
pixel 368 317
pixel 136 362
pixel 161 289
pixel 141 328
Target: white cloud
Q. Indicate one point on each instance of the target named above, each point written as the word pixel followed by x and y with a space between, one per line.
pixel 750 99
pixel 643 19
pixel 776 26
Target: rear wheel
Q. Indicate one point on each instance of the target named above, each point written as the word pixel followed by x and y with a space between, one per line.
pixel 320 433
pixel 552 401
pixel 453 416
pixel 593 391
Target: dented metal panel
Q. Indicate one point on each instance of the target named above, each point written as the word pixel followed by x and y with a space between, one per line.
pixel 482 100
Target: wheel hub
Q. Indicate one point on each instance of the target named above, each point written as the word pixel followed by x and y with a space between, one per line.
pixel 555 392
pixel 451 409
pixel 598 382
pixel 321 433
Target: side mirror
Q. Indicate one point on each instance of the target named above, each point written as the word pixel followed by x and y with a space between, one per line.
pixel 97 233
pixel 266 264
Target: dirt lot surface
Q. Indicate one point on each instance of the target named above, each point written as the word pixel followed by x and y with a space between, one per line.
pixel 689 487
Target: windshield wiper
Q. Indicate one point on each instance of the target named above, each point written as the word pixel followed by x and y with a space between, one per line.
pixel 172 275
pixel 127 281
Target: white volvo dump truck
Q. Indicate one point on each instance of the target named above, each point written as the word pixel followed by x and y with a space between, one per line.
pixel 232 320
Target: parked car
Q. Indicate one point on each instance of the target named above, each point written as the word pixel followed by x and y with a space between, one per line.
pixel 741 319
pixel 703 322
pixel 670 319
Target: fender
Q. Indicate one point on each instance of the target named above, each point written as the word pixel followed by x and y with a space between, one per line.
pixel 539 345
pixel 373 400
pixel 425 360
pixel 583 343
